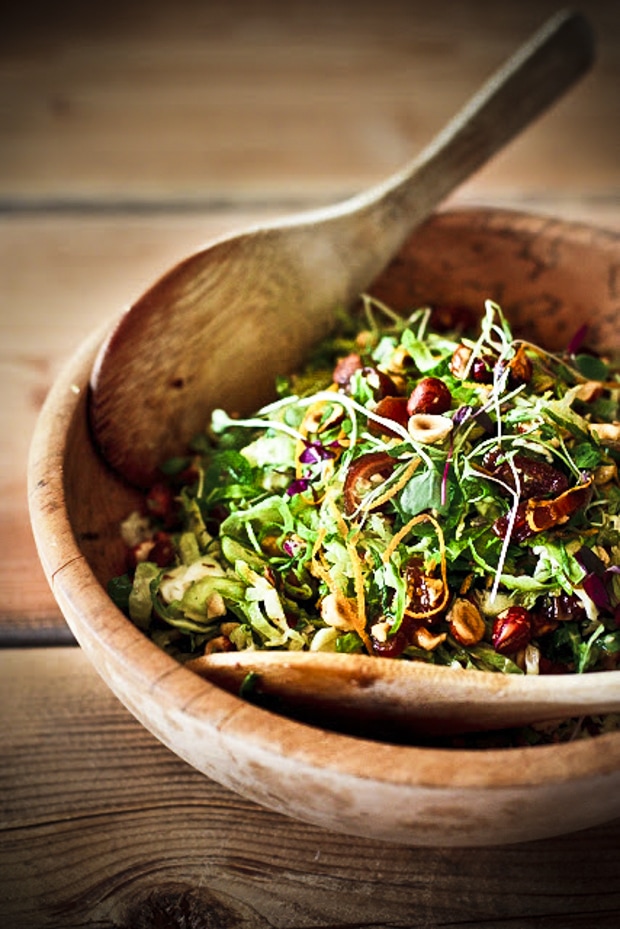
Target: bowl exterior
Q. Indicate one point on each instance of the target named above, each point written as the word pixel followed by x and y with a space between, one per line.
pixel 399 793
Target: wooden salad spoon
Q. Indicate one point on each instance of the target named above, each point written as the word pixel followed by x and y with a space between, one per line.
pixel 256 303
pixel 385 696
pixel 259 300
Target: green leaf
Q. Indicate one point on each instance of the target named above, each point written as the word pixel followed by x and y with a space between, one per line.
pixel 119 589
pixel 491 660
pixel 348 643
pixel 556 565
pixel 421 492
pixel 194 520
pixel 420 351
pixel 610 643
pixel 233 551
pixel 228 467
pixel 393 588
pixel 567 419
pixel 586 456
pixel 587 652
pixel 188 548
pixel 140 601
pixel 195 600
pixel 591 367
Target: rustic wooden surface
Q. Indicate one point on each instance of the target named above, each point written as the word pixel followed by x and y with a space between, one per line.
pixel 129 134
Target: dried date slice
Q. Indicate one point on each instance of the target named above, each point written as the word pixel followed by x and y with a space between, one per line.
pixel 425 593
pixel 536 478
pixel 391 645
pixel 521 530
pixel 534 515
pixel 365 473
pixel 549 612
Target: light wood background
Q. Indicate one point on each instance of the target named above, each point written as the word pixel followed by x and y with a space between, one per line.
pixel 130 133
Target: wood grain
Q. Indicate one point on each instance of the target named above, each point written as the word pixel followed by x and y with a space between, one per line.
pixel 109 829
pixel 198 103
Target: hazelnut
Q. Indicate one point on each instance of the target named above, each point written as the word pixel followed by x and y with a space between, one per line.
pixel 216 606
pixel 380 631
pixel 607 433
pixel 380 383
pixel 431 395
pixel 459 362
pixel 466 623
pixel 482 369
pixel 391 408
pixel 400 361
pixel 220 643
pixel 589 391
pixel 428 429
pixel 605 473
pixel 429 641
pixel 338 611
pixel 345 369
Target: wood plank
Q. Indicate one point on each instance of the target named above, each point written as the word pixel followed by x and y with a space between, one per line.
pixel 199 103
pixel 102 826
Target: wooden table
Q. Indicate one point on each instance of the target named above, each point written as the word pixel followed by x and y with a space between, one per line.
pixel 130 132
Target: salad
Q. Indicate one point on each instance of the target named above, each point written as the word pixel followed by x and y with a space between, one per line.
pixel 424 490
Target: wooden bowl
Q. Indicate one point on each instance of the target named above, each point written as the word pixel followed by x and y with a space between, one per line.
pixel 549 276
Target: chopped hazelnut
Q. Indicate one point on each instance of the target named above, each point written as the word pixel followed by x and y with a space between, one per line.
pixel 427 428
pixel 338 611
pixel 466 623
pixel 607 433
pixel 424 638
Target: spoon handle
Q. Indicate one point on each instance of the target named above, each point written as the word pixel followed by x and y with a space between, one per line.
pixel 269 294
pixel 529 82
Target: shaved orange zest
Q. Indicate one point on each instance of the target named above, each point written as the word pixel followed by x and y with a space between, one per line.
pixel 360 619
pixel 397 486
pixel 342 526
pixel 358 576
pixel 320 536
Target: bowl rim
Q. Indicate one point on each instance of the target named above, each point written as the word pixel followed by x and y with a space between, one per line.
pixel 80 596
